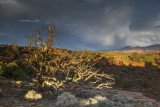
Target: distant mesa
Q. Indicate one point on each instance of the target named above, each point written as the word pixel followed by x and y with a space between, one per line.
pixel 138 49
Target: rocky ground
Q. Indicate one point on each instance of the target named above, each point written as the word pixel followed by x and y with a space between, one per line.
pixel 78 95
pixel 137 79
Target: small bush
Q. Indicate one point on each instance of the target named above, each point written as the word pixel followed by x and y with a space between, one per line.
pixel 143 58
pixel 134 101
pixel 158 66
pixel 16 50
pixel 69 57
pixel 125 58
pixel 8 52
pixel 67 100
pixel 110 56
pixel 148 104
pixel 26 67
pixel 125 83
pixel 149 58
pixel 158 61
pixel 2 69
pixel 117 78
pixel 14 71
pixel 136 57
pixel 118 99
pixel 86 93
pixel 1 63
pixel 33 95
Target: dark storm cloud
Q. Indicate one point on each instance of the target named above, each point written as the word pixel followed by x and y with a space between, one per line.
pixel 103 24
pixel 145 14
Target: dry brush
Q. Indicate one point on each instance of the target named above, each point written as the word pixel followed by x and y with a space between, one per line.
pixel 55 69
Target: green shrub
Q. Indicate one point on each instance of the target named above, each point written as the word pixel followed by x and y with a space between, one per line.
pixel 125 58
pixel 89 55
pixel 110 57
pixel 107 56
pixel 2 69
pixel 117 78
pixel 14 71
pixel 158 61
pixel 125 83
pixel 26 67
pixel 85 54
pixel 158 67
pixel 143 58
pixel 149 58
pixel 69 57
pixel 16 50
pixel 1 63
pixel 78 53
pixel 136 57
pixel 8 52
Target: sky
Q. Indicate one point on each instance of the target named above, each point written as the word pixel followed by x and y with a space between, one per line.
pixel 97 24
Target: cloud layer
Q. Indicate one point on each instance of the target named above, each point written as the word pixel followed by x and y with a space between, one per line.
pixel 28 20
pixel 102 24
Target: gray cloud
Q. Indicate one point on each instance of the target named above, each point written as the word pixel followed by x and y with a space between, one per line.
pixel 28 20
pixel 110 24
pixel 71 24
pixel 13 2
